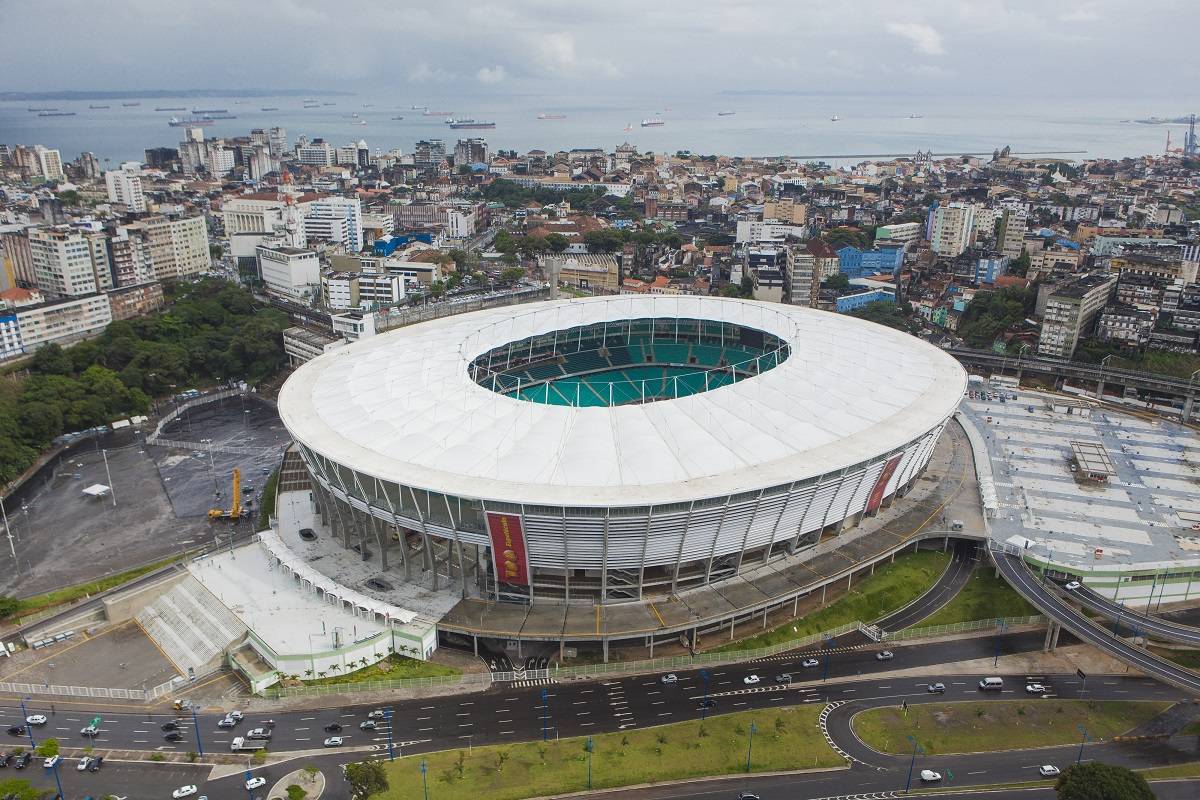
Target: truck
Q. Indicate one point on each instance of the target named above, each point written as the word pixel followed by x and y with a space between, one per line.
pixel 242 743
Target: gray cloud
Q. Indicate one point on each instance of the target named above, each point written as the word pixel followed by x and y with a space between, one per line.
pixel 1009 46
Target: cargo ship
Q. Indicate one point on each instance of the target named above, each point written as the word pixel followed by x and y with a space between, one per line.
pixel 97 107
pixel 726 113
pixel 130 105
pixel 552 116
pixel 171 108
pixel 428 113
pixel 656 122
pixel 56 114
pixel 189 122
pixel 311 104
pixel 470 124
pixel 269 108
pixel 207 111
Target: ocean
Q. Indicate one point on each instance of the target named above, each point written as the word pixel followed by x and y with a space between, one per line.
pixel 762 124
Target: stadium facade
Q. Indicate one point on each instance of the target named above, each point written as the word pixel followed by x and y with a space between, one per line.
pixel 617 449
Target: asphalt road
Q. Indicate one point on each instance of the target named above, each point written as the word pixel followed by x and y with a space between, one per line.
pixel 1133 621
pixel 949 584
pixel 1046 599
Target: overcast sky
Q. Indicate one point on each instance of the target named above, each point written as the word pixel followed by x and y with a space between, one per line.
pixel 1044 48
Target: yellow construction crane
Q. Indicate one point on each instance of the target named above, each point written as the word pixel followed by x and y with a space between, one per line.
pixel 235 507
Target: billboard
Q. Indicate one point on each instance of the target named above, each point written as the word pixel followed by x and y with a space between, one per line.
pixel 508 548
pixel 889 469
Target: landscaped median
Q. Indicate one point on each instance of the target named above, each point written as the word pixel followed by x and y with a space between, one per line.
pixel 783 739
pixel 983 596
pixel 893 586
pixel 985 726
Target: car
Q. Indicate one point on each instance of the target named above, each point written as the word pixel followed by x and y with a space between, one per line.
pixel 333 727
pixel 810 662
pixel 184 791
pixel 707 703
pixel 22 760
pixel 97 763
pixel 929 776
pixel 255 782
pixel 173 736
pixel 236 716
pixel 334 741
pixel 785 677
pixel 747 796
pixel 670 677
pixel 884 655
pixel 6 759
pixel 36 719
pixel 1035 688
pixel 367 725
pixel 378 713
pixel 1048 770
pixel 226 723
pixel 16 730
pixel 52 761
pixel 90 730
pixel 84 763
pixel 936 688
pixel 751 680
pixel 1072 585
pixel 169 726
pixel 258 733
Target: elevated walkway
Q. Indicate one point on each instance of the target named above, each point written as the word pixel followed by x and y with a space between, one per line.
pixel 191 626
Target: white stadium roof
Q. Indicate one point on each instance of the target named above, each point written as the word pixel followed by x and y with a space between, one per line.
pixel 402 407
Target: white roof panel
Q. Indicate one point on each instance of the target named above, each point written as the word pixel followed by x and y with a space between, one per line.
pixel 401 406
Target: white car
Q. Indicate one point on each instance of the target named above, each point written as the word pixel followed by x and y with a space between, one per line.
pixel 227 722
pixel 52 761
pixel 1072 585
pixel 367 725
pixel 810 662
pixel 884 655
pixel 1048 770
pixel 1035 688
pixel 184 791
pixel 36 719
pixel 334 741
pixel 255 782
pixel 929 776
pixel 84 763
pixel 378 713
pixel 670 677
pixel 234 715
pixel 90 730
pixel 751 679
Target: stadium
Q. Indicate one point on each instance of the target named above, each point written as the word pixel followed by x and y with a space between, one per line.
pixel 613 450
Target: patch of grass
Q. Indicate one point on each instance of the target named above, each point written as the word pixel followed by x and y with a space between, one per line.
pixel 983 726
pixel 893 586
pixel 984 596
pixel 1188 770
pixel 69 594
pixel 1184 658
pixel 391 668
pixel 267 501
pixel 785 739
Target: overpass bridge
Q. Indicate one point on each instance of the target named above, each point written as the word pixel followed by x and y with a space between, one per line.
pixel 1059 369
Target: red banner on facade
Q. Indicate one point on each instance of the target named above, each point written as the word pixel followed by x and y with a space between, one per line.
pixel 508 548
pixel 889 469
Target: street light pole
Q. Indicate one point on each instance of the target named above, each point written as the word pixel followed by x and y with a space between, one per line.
pixel 1100 382
pixel 196 725
pixel 111 491
pixel 57 780
pixel 911 764
pixel 25 719
pixel 750 746
pixel 590 748
pixel 424 779
pixel 1082 742
pixel 7 530
pixel 703 705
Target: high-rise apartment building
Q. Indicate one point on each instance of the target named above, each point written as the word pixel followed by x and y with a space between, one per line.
pixel 1071 312
pixel 952 228
pixel 335 219
pixel 178 247
pixel 471 151
pixel 18 260
pixel 125 186
pixel 68 263
pixel 130 250
pixel 429 153
pixel 1011 239
pixel 317 153
pixel 785 210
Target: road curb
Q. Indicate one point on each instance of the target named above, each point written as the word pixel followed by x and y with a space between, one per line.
pixel 687 781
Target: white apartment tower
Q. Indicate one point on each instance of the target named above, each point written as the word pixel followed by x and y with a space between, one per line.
pixel 335 219
pixel 125 186
pixel 66 262
pixel 953 229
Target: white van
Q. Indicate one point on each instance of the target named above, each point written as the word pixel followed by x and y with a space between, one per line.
pixel 991 683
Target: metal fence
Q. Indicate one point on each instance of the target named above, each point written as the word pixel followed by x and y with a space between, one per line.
pixel 930 631
pixel 96 692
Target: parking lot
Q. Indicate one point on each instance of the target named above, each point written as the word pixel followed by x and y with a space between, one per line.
pixel 122 657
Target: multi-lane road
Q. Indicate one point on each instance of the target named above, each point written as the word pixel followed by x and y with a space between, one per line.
pixel 1136 622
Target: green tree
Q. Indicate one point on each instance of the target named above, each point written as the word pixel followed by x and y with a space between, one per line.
pixel 366 778
pixel 557 243
pixel 47 747
pixel 1096 781
pixel 1020 264
pixel 294 792
pixel 837 280
pixel 19 789
pixel 512 274
pixel 9 606
pixel 51 359
pixel 604 240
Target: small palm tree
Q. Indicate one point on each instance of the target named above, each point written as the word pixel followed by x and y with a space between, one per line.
pixel 335 667
pixel 321 674
pixel 308 673
pixel 363 661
